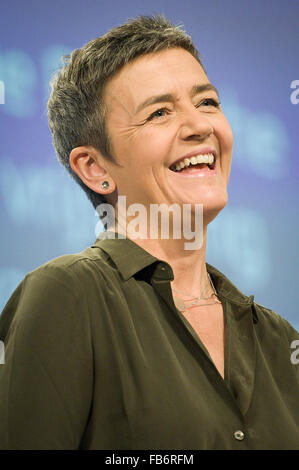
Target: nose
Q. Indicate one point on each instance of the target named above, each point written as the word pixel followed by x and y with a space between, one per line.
pixel 195 124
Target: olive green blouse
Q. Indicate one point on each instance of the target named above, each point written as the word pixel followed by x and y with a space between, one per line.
pixel 97 356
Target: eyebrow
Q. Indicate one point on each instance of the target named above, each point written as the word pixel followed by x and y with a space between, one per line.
pixel 195 90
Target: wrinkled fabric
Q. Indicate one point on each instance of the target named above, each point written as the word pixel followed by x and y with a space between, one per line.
pixel 97 356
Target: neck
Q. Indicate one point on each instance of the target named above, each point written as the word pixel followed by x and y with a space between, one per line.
pixel 189 266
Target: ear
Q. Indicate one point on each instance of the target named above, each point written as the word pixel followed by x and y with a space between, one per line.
pixel 86 163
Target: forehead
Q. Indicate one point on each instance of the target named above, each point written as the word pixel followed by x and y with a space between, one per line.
pixel 168 71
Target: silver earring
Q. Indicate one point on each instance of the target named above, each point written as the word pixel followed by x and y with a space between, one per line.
pixel 105 185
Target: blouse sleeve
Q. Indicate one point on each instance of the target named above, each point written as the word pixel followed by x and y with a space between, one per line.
pixel 46 380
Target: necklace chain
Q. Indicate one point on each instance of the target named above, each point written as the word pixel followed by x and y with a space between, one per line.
pixel 195 301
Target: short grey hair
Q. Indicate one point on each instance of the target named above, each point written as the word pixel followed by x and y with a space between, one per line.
pixel 76 108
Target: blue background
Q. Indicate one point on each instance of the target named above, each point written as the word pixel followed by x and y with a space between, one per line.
pixel 250 52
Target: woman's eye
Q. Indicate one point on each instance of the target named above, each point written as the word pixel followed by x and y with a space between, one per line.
pixel 157 114
pixel 161 113
pixel 210 102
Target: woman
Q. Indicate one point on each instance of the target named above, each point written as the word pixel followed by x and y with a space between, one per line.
pixel 138 343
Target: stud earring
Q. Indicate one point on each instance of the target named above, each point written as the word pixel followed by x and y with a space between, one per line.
pixel 105 185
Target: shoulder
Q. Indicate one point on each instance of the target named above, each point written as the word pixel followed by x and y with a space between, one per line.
pixel 278 340
pixel 70 272
pixel 57 291
pixel 271 321
pixel 263 316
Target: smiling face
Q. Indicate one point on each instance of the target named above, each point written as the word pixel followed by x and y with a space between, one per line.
pixel 162 109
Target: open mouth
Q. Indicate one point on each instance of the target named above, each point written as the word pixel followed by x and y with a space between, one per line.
pixel 187 165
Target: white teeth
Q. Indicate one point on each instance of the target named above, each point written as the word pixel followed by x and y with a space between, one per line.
pixel 207 158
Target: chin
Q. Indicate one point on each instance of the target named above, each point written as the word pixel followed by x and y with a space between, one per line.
pixel 212 208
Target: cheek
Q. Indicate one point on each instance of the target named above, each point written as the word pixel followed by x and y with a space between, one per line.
pixel 138 147
pixel 225 135
pixel 152 147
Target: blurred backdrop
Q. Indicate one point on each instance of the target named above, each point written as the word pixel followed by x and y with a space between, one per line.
pixel 250 50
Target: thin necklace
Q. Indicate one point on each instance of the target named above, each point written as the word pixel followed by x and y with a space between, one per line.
pixel 182 305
